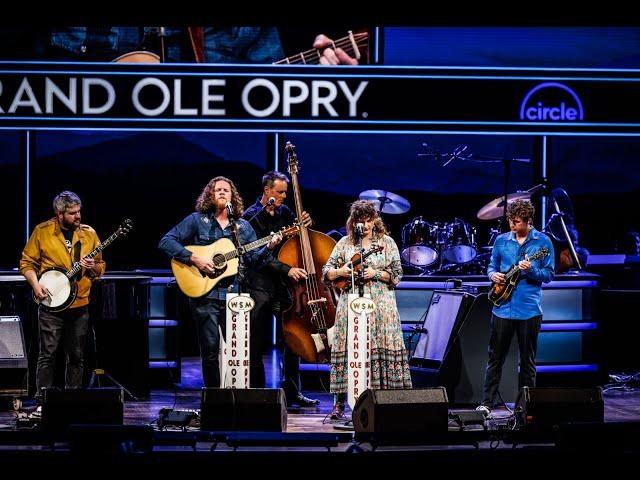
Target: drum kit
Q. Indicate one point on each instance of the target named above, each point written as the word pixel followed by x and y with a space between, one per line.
pixel 442 248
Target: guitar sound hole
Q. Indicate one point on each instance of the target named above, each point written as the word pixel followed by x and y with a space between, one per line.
pixel 219 261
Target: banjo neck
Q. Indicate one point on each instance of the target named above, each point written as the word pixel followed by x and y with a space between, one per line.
pixel 122 230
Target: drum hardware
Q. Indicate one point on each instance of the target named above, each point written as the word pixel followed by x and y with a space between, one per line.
pixel 493 234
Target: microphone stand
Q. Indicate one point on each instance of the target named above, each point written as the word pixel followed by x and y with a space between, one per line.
pixel 259 211
pixel 236 241
pixel 162 32
pixel 572 249
pixel 361 272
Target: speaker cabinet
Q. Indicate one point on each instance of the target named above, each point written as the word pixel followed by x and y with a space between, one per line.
pixel 402 411
pixel 251 409
pixel 61 408
pixel 13 358
pixel 542 408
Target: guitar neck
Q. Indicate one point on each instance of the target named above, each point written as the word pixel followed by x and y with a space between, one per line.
pixel 248 247
pixel 353 45
pixel 515 269
pixel 76 266
pixel 512 271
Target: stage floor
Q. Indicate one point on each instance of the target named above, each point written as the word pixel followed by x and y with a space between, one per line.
pixel 314 444
pixel 621 404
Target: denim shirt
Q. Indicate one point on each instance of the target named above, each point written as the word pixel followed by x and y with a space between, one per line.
pixel 97 43
pixel 221 45
pixel 203 229
pixel 525 299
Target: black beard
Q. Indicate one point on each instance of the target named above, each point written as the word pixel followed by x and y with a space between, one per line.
pixel 70 226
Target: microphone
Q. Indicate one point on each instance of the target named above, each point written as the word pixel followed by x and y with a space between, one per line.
pixel 360 229
pixel 270 202
pixel 229 208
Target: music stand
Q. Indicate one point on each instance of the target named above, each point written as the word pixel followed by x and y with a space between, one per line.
pixel 96 373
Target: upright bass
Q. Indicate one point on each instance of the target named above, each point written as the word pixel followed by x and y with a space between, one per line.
pixel 313 311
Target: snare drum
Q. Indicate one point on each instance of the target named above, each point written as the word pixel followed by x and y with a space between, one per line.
pixel 418 243
pixel 460 246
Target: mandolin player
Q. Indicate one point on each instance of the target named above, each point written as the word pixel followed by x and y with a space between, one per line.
pixel 521 313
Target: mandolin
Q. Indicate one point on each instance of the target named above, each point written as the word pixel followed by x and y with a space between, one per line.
pixel 501 292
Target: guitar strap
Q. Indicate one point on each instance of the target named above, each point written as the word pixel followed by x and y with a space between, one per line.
pixel 76 255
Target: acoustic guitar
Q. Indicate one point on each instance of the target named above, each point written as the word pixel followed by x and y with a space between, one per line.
pixel 354 44
pixel 501 292
pixel 195 283
pixel 61 284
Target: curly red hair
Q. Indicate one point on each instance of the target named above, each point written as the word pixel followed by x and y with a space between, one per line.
pixel 206 202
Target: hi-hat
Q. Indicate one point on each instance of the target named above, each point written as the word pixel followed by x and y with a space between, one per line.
pixel 386 202
pixel 495 208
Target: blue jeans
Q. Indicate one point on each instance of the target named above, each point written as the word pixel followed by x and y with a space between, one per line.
pixel 70 328
pixel 502 331
pixel 207 314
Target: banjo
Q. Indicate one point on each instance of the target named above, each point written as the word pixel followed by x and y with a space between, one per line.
pixel 61 285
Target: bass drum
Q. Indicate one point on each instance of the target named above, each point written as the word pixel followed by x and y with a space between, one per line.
pixel 418 243
pixel 460 246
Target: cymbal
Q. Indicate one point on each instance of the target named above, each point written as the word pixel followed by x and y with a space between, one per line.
pixel 495 208
pixel 386 202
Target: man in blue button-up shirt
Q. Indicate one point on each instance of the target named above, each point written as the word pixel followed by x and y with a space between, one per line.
pixel 521 313
pixel 209 223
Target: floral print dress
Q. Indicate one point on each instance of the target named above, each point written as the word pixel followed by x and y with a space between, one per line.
pixel 389 365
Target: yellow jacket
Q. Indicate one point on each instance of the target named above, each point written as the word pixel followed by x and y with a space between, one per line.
pixel 47 249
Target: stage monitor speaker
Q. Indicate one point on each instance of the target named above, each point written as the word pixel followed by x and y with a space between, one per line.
pixel 466 362
pixel 61 408
pixel 13 357
pixel 444 317
pixel 402 411
pixel 542 408
pixel 250 409
pixel 452 348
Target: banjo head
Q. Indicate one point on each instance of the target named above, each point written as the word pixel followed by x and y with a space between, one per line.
pixel 59 287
